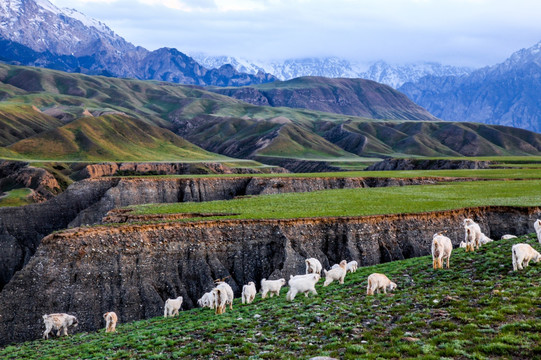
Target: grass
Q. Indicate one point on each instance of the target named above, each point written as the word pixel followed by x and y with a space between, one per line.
pixel 110 138
pixel 479 309
pixel 364 201
pixel 16 197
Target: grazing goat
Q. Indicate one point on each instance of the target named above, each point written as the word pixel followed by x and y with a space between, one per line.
pixel 472 233
pixel 272 286
pixel 302 284
pixel 378 281
pixel 350 267
pixel 485 239
pixel 59 322
pixel 522 255
pixel 313 266
pixel 537 227
pixel 508 237
pixel 223 295
pixel 207 300
pixel 248 293
pixel 110 321
pixel 338 273
pixel 172 306
pixel 441 250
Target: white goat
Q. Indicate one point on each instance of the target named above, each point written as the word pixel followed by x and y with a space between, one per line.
pixel 441 250
pixel 338 273
pixel 378 281
pixel 485 239
pixel 223 295
pixel 463 244
pixel 537 227
pixel 110 321
pixel 522 255
pixel 472 234
pixel 508 237
pixel 207 300
pixel 248 293
pixel 59 322
pixel 313 266
pixel 272 286
pixel 172 306
pixel 350 267
pixel 302 284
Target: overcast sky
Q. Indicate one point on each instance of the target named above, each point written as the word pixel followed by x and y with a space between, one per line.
pixel 457 32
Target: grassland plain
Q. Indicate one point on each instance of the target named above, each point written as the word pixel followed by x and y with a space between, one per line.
pixel 364 201
pixel 479 309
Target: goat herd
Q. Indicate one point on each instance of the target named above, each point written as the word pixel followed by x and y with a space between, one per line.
pixel 222 295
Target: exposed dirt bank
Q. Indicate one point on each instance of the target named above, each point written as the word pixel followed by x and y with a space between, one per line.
pixel 133 269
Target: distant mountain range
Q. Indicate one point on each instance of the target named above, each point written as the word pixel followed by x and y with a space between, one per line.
pixel 37 33
pixel 505 94
pixel 333 67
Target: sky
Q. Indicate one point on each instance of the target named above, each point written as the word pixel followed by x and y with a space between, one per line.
pixel 472 33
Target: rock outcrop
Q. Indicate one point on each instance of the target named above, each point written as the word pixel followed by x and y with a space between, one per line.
pixel 16 174
pixel 421 164
pixel 92 171
pixel 87 202
pixel 133 269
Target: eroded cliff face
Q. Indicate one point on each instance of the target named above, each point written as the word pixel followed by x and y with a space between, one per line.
pixel 87 202
pixel 133 269
pixel 17 174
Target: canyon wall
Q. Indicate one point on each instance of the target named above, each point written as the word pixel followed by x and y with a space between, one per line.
pixel 86 202
pixel 133 269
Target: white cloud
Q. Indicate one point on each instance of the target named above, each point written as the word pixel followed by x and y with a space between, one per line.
pixel 469 32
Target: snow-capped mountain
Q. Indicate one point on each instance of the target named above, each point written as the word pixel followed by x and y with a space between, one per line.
pixel 37 33
pixel 333 67
pixel 503 94
pixel 396 75
pixel 41 26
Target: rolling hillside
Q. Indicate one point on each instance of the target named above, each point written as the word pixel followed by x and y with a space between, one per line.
pixel 110 138
pixel 357 97
pixel 39 100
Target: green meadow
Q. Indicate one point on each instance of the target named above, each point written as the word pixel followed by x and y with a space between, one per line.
pixel 364 201
pixel 479 309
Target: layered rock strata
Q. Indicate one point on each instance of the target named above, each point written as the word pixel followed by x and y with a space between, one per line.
pixel 133 269
pixel 87 202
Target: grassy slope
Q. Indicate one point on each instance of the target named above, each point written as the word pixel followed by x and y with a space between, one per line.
pixel 477 310
pixel 17 197
pixel 181 108
pixel 20 122
pixel 110 138
pixel 365 201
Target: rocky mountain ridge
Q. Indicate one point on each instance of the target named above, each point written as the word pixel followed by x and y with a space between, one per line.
pixel 504 94
pixel 37 33
pixel 380 71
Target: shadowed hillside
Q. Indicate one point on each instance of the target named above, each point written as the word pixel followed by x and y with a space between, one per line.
pixel 37 100
pixel 357 97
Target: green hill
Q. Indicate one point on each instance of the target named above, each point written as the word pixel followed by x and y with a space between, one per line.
pixel 19 122
pixel 478 309
pixel 110 138
pixel 35 100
